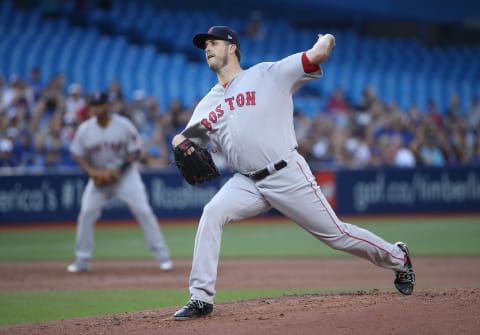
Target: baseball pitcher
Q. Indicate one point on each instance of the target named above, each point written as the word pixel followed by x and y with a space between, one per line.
pixel 248 115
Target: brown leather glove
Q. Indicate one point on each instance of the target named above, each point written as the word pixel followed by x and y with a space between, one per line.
pixel 105 177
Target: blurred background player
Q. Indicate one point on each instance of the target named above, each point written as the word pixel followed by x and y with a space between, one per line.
pixel 106 147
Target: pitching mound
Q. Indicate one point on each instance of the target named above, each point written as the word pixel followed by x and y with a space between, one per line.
pixel 436 307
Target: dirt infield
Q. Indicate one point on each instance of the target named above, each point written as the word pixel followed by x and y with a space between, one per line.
pixel 446 299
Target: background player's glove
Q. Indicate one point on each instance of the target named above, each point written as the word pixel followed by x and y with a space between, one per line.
pixel 105 177
pixel 195 163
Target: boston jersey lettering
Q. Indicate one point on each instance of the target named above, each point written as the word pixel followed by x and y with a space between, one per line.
pixel 241 100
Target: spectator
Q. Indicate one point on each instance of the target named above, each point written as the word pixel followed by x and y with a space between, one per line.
pixel 115 91
pixel 414 119
pixel 321 151
pixel 35 82
pixel 302 124
pixel 158 151
pixel 2 90
pixel 153 114
pixel 138 110
pixel 177 117
pixel 18 114
pixel 82 114
pixel 474 112
pixel 51 102
pixel 430 153
pixel 53 153
pixel 338 105
pixel 23 149
pixel 453 111
pixel 57 84
pixel 118 102
pixel 358 148
pixel 476 154
pixel 369 98
pixel 13 93
pixel 460 149
pixel 39 151
pixel 7 159
pixel 402 156
pixel 399 127
pixel 75 103
pixel 337 102
pixel 433 113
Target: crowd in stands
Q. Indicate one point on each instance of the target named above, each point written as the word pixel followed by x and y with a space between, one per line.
pixel 374 133
pixel 38 120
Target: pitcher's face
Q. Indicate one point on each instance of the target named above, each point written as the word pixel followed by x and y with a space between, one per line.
pixel 216 54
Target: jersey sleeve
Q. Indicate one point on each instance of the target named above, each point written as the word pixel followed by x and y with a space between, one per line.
pixel 133 139
pixel 195 130
pixel 197 133
pixel 290 73
pixel 77 146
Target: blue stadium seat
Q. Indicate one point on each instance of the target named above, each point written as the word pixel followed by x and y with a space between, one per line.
pixel 149 47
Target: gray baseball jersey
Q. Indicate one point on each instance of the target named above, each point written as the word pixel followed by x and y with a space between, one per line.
pixel 251 122
pixel 108 148
pixel 251 119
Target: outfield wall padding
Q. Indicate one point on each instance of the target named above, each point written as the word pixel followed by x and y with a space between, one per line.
pixel 51 197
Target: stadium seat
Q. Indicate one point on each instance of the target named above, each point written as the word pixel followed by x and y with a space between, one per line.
pixel 147 46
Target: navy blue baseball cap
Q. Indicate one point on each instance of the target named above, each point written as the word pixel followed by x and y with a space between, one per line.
pixel 216 33
pixel 98 98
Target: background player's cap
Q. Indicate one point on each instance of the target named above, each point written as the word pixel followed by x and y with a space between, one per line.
pixel 98 98
pixel 216 33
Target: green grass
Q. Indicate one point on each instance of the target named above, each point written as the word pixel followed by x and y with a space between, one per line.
pixel 425 237
pixel 40 306
pixel 448 236
pixel 36 306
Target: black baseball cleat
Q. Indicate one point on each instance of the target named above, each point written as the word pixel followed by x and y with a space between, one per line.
pixel 405 280
pixel 193 309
